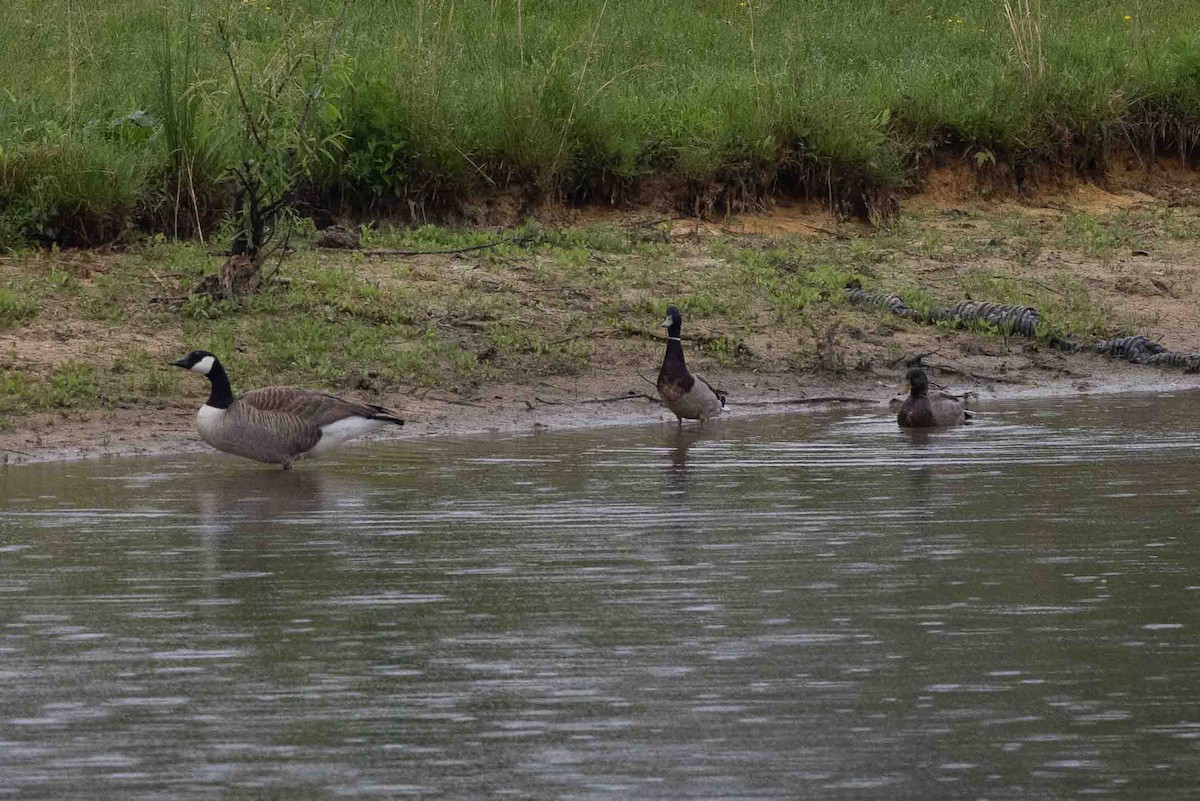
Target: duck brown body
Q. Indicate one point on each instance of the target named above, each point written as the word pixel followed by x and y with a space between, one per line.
pixel 922 409
pixel 688 396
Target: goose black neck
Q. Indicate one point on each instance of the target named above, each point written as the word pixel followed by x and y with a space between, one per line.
pixel 221 394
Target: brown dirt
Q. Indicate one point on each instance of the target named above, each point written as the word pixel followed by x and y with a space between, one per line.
pixel 47 344
pixel 1129 183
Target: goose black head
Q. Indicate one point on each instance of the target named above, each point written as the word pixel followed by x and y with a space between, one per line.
pixel 673 322
pixel 918 381
pixel 198 361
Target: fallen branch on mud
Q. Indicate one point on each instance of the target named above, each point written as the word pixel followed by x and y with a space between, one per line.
pixel 389 252
pixel 782 402
pixel 631 396
pixel 947 368
pixel 631 332
pixel 827 231
pixel 808 401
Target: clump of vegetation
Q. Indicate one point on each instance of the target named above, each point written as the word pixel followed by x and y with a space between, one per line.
pixel 103 127
pixel 15 308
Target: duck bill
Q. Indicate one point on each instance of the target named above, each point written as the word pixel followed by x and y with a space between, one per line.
pixel 666 323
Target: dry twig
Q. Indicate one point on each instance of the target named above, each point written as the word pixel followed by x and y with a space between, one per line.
pixel 614 399
pixel 446 251
pixel 806 401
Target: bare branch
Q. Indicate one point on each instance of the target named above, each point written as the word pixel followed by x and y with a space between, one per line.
pixel 237 82
pixel 577 401
pixel 807 401
pixel 447 251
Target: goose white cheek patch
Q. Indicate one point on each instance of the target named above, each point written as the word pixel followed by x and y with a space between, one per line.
pixel 203 366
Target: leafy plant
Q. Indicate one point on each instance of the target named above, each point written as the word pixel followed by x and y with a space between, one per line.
pixel 15 308
pixel 276 149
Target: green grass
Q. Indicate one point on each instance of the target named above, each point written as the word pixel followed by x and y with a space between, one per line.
pixel 427 102
pixel 16 307
pixel 573 302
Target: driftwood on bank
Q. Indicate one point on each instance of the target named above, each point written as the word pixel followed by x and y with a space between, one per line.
pixel 614 399
pixel 996 379
pixel 240 275
pixel 390 252
pixel 807 401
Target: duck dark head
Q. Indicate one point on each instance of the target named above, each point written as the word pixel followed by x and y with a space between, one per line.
pixel 673 322
pixel 918 381
pixel 198 361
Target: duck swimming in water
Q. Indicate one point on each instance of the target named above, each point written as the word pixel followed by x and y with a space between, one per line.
pixel 921 409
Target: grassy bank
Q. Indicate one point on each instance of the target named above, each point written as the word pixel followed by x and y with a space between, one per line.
pixel 84 330
pixel 120 116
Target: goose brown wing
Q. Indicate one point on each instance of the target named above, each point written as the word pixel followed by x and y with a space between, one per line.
pixel 318 409
pixel 290 418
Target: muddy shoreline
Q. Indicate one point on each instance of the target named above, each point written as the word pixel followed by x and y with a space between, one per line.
pixel 521 339
pixel 597 401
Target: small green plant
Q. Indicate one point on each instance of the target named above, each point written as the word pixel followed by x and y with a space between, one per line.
pixel 74 384
pixel 984 158
pixel 62 280
pixel 931 243
pixel 206 307
pixel 15 308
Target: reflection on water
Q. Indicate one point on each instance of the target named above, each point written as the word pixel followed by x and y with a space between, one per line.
pixel 805 606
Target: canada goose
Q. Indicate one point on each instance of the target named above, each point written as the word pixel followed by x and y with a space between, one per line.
pixel 924 410
pixel 277 425
pixel 685 394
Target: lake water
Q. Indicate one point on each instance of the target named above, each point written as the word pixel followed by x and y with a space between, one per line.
pixel 805 606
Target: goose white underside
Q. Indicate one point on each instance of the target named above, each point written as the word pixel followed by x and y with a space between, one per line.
pixel 342 431
pixel 208 421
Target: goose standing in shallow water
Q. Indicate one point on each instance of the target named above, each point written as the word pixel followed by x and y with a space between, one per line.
pixel 688 396
pixel 277 425
pixel 924 410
